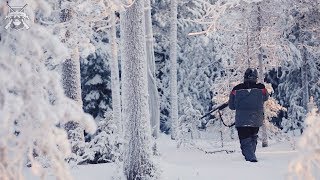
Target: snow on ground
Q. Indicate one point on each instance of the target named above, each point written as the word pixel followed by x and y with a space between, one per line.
pixel 189 163
pixel 192 164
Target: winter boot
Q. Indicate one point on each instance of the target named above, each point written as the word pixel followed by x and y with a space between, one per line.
pixel 248 148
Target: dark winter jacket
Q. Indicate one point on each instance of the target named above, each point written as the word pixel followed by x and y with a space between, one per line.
pixel 248 99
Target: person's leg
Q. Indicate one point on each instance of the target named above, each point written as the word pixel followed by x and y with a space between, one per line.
pixel 254 136
pixel 242 134
pixel 253 133
pixel 246 143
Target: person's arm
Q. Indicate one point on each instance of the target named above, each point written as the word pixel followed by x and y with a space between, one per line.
pixel 231 100
pixel 265 93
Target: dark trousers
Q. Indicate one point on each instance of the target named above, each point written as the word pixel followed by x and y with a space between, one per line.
pixel 245 132
pixel 248 137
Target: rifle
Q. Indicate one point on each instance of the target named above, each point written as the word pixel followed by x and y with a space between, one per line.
pixel 219 108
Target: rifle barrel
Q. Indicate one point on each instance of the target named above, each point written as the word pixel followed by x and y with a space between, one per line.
pixel 220 107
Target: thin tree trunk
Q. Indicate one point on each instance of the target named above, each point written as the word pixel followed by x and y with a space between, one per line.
pixel 138 164
pixel 304 79
pixel 261 75
pixel 115 84
pixel 305 89
pixel 173 70
pixel 154 106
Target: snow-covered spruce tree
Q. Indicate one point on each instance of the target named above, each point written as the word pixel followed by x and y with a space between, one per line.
pixel 33 104
pixel 154 105
pixel 96 81
pixel 302 72
pixel 138 163
pixel 188 125
pixel 73 23
pixel 173 68
pixel 307 165
pixel 106 144
pixel 290 81
pixel 197 60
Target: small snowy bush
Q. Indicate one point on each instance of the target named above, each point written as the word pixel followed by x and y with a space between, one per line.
pixel 105 145
pixel 307 165
pixel 188 125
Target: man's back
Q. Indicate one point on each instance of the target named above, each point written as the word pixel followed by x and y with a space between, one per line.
pixel 247 99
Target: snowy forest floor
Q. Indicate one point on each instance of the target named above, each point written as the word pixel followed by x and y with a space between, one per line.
pixel 190 163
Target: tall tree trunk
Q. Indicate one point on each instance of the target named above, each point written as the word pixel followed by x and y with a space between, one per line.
pixel 261 74
pixel 304 79
pixel 72 89
pixel 71 77
pixel 72 86
pixel 138 164
pixel 154 106
pixel 173 70
pixel 115 84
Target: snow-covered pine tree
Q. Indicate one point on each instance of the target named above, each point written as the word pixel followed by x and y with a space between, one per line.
pixel 33 104
pixel 138 163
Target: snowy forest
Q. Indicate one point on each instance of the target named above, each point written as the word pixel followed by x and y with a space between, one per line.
pixel 135 89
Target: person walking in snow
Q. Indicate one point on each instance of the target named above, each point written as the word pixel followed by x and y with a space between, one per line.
pixel 247 99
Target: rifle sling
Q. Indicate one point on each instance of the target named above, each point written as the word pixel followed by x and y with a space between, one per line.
pixel 220 115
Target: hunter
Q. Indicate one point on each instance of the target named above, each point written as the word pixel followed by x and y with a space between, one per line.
pixel 247 99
